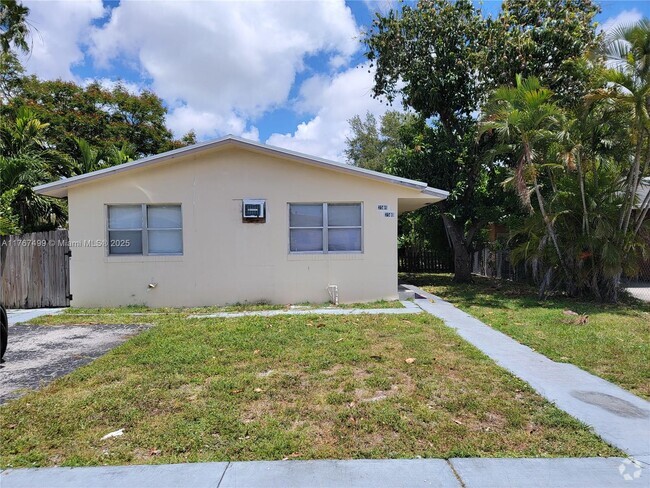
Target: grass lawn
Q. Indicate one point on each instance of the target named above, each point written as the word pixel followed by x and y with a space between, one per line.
pixel 237 307
pixel 296 387
pixel 614 343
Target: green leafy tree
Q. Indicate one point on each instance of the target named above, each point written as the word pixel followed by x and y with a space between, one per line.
pixel 371 143
pixel 423 143
pixel 577 164
pixel 11 75
pixel 8 218
pixel 545 39
pixel 103 117
pixel 364 146
pixel 429 56
pixel 26 160
pixel 385 145
pixel 526 122
pixel 628 49
pixel 92 159
pixel 438 57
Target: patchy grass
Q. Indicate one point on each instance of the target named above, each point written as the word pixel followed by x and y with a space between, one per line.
pixel 614 343
pixel 236 307
pixel 297 387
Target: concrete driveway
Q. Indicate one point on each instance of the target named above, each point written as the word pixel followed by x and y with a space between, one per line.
pixel 36 355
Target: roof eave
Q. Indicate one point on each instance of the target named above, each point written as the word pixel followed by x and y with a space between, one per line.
pixel 435 192
pixel 60 188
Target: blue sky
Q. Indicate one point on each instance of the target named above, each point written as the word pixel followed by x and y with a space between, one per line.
pixel 283 72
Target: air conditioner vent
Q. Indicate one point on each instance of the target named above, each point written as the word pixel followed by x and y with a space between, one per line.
pixel 253 210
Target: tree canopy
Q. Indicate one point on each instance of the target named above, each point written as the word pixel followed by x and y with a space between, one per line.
pixel 102 116
pixel 371 144
pixel 439 57
pixel 52 129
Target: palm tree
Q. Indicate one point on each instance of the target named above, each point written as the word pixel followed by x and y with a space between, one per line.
pixel 27 161
pixel 14 28
pixel 526 122
pixel 627 51
pixel 91 158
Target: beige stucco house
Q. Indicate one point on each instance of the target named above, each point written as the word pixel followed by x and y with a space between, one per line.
pixel 232 221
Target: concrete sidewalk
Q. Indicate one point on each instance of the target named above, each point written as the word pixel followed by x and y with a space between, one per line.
pixel 619 417
pixel 392 473
pixel 615 414
pixel 409 307
pixel 17 316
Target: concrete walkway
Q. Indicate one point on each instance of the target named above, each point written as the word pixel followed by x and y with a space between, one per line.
pixel 409 307
pixel 616 415
pixel 619 417
pixel 16 316
pixel 390 473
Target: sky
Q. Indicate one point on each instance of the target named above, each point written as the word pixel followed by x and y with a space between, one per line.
pixel 285 73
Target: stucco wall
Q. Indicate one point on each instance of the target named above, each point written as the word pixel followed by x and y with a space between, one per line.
pixel 225 260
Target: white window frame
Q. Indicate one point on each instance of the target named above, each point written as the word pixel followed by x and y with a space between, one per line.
pixel 144 229
pixel 325 227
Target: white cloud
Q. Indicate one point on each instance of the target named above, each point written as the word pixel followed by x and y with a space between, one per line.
pixel 207 124
pixel 58 27
pixel 334 101
pixel 221 64
pixel 252 133
pixel 382 6
pixel 624 18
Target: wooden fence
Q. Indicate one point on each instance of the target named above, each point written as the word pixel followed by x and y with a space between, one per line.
pixel 35 270
pixel 415 260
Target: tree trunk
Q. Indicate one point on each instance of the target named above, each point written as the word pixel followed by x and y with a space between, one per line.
pixel 544 284
pixel 553 235
pixel 462 264
pixel 462 251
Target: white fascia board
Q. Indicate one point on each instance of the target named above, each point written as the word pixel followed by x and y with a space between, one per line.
pixel 59 188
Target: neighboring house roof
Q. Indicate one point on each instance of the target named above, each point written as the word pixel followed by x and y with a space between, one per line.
pixel 60 188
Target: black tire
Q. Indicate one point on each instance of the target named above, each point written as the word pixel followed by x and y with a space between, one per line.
pixel 4 331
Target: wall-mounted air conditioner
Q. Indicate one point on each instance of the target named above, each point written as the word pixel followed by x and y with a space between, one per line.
pixel 253 210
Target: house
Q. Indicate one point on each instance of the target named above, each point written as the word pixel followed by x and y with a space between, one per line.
pixel 231 221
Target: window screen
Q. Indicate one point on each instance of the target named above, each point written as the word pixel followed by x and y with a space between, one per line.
pixel 325 227
pixel 145 229
pixel 344 227
pixel 306 227
pixel 125 229
pixel 164 229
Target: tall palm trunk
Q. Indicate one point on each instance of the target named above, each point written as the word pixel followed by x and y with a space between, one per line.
pixel 552 233
pixel 632 183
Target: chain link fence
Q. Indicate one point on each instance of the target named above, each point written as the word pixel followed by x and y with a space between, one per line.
pixel 639 286
pixel 497 264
